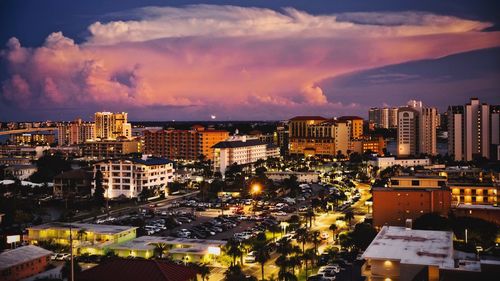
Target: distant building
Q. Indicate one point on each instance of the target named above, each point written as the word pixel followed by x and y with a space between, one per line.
pixel 111 126
pixel 283 139
pixel 123 177
pixel 305 177
pixel 14 161
pixel 97 240
pixel 41 138
pixel 356 125
pixel 137 270
pixel 241 151
pixel 20 172
pixel 366 143
pixel 416 130
pixel 384 162
pixel 72 183
pixel 408 197
pixel 474 130
pixel 104 149
pixel 316 135
pixel 30 152
pixel 479 200
pixel 383 117
pixel 183 144
pixel 23 262
pixel 76 132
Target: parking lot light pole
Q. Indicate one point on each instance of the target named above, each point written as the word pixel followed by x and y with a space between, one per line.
pixel 255 191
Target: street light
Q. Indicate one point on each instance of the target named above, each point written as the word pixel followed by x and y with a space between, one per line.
pixel 255 190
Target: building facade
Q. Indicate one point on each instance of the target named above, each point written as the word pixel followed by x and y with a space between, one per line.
pixel 128 178
pixel 72 183
pixel 76 132
pixel 410 197
pixel 103 149
pixel 473 130
pixel 241 151
pixel 417 130
pixel 23 262
pixel 110 126
pixel 183 144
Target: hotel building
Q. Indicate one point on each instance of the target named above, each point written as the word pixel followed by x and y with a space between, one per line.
pixel 110 126
pixel 183 144
pixel 416 130
pixel 315 135
pixel 474 130
pixel 123 177
pixel 110 148
pixel 241 151
pixel 76 132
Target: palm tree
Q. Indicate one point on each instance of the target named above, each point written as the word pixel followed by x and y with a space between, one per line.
pixel 282 263
pixel 309 255
pixel 274 229
pixel 349 216
pixel 81 233
pixel 309 216
pixel 303 237
pixel 160 249
pixel 333 227
pixel 285 247
pixel 261 254
pixel 203 271
pixel 315 239
pixel 233 249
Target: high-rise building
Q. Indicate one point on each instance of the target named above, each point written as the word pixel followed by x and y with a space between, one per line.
pixel 356 125
pixel 183 144
pixel 473 130
pixel 316 135
pixel 393 117
pixel 111 126
pixel 76 132
pixel 416 129
pixel 383 117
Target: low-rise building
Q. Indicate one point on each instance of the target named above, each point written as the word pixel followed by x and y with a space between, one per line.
pixel 241 151
pixel 404 254
pixel 389 161
pixel 408 197
pixel 128 177
pixel 23 262
pixel 14 161
pixel 182 249
pixel 20 172
pixel 94 239
pixel 304 177
pixel 105 149
pixel 72 183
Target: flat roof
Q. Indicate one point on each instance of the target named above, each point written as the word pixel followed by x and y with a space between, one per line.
pixel 478 207
pixel 21 255
pixel 409 246
pixel 96 228
pixel 146 243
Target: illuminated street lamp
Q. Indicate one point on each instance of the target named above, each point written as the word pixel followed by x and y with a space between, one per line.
pixel 255 190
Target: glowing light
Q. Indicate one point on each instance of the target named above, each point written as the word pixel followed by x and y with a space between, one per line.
pixel 256 189
pixel 214 250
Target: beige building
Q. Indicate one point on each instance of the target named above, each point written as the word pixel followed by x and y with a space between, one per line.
pixel 416 130
pixel 111 126
pixel 76 132
pixel 110 148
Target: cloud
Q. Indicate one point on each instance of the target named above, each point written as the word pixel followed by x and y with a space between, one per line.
pixel 237 62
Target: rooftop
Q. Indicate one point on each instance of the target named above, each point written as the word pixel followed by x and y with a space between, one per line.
pixel 21 255
pixel 238 143
pixel 152 161
pixel 349 118
pixel 409 246
pixel 96 228
pixel 132 270
pixel 147 243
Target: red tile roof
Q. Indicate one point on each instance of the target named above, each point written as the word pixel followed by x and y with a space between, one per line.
pixel 137 270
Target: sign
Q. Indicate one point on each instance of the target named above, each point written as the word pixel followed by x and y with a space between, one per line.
pixel 13 239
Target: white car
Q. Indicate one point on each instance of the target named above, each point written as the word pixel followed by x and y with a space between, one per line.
pixel 280 213
pixel 250 258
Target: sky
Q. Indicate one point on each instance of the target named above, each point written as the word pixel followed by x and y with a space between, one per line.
pixel 243 60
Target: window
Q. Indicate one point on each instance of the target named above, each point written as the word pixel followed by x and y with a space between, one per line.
pixel 415 183
pixel 394 182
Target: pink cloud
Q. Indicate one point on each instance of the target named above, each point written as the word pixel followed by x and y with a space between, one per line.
pixel 224 57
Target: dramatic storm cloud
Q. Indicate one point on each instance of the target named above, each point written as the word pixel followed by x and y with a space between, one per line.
pixel 240 63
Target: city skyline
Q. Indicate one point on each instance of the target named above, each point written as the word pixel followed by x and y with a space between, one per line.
pixel 243 61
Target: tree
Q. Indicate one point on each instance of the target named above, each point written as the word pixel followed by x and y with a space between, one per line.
pixel 99 189
pixel 203 271
pixel 308 255
pixel 160 249
pixel 349 216
pixel 49 166
pixel 315 239
pixel 362 235
pixel 66 270
pixel 302 237
pixel 333 227
pixel 261 251
pixel 234 273
pixel 233 249
pixel 432 221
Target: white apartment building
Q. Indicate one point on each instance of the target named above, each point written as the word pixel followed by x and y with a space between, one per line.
pixel 389 161
pixel 241 151
pixel 416 129
pixel 128 177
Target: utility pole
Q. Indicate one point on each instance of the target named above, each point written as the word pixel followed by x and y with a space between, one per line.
pixel 71 252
